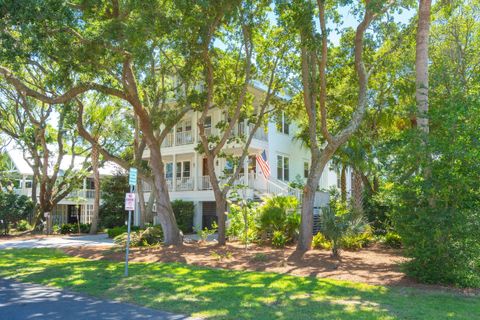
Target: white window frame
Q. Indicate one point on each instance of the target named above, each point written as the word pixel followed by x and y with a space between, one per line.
pixel 284 166
pixel 182 169
pixel 282 124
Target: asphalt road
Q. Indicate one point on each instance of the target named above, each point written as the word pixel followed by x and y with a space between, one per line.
pixel 58 242
pixel 21 301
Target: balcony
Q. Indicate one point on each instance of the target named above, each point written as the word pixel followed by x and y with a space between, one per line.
pixel 183 138
pixel 205 184
pixel 85 194
pixel 168 142
pixel 184 184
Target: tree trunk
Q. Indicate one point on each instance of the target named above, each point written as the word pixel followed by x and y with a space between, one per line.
pixel 141 199
pixel 343 183
pixel 357 192
pixel 221 207
pixel 149 208
pixel 171 233
pixel 34 201
pixel 308 201
pixel 96 182
pixel 421 64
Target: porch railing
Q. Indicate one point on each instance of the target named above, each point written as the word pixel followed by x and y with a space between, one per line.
pixel 205 183
pixel 184 184
pixel 168 141
pixel 182 138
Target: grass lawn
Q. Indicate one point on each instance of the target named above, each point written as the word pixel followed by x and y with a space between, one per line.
pixel 224 294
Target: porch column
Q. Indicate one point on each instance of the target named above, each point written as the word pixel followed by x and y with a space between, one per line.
pixel 197 217
pixel 195 171
pixel 195 127
pixel 245 171
pixel 23 184
pixel 174 175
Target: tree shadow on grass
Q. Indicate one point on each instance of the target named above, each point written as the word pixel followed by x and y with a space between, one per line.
pixel 226 294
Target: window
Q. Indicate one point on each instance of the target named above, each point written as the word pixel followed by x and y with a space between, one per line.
pixel 283 168
pixel 208 122
pixel 169 170
pixel 183 169
pixel 282 124
pixel 184 125
pixel 305 169
pixel 186 169
pixel 90 184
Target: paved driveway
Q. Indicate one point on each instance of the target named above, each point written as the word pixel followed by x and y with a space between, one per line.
pixel 20 301
pixel 58 242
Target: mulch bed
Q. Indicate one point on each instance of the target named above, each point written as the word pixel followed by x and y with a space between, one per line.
pixel 374 265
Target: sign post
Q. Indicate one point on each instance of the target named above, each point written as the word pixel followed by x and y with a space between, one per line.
pixel 130 206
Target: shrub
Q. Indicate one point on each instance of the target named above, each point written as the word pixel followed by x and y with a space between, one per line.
pixel 205 233
pixel 13 208
pixel 236 224
pixel 56 229
pixel 23 225
pixel 356 241
pixel 67 228
pixel 320 242
pixel 84 227
pixel 338 223
pixel 278 213
pixel 112 212
pixel 392 240
pixel 113 232
pixel 443 245
pixel 141 238
pixel 73 228
pixel 279 239
pixel 184 211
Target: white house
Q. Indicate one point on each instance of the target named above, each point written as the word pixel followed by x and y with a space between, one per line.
pixel 76 205
pixel 187 174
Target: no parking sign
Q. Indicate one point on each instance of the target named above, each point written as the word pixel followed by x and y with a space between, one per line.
pixel 130 201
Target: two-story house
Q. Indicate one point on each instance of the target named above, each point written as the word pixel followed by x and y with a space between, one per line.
pixel 289 160
pixel 78 205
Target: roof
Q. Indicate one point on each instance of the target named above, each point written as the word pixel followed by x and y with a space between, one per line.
pixel 17 157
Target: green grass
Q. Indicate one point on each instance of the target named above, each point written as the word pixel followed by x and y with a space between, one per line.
pixel 224 294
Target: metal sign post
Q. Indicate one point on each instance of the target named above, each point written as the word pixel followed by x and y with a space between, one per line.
pixel 130 206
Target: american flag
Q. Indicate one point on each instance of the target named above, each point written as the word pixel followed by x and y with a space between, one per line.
pixel 262 162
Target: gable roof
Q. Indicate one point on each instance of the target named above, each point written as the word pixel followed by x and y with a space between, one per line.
pixel 22 167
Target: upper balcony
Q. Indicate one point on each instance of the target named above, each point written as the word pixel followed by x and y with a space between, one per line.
pixel 76 194
pixel 187 137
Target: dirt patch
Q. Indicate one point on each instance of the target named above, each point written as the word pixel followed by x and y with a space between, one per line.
pixel 373 265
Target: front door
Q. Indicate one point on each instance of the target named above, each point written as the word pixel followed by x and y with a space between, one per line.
pixel 73 214
pixel 204 167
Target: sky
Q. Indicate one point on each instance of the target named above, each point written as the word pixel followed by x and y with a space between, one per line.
pixel 349 20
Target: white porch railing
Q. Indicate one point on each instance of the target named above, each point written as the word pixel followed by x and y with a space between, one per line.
pixel 87 193
pixel 168 141
pixel 208 132
pixel 184 184
pixel 182 138
pixel 169 183
pixel 205 183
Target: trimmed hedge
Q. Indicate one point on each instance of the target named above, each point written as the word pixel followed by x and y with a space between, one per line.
pixel 184 211
pixel 73 228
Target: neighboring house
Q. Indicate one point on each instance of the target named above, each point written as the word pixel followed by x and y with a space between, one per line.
pixel 78 205
pixel 187 174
